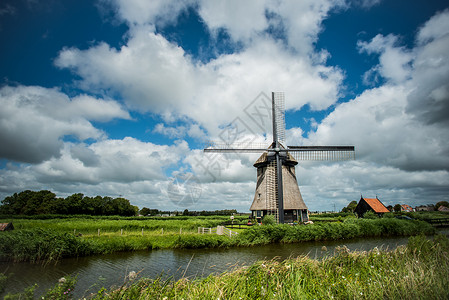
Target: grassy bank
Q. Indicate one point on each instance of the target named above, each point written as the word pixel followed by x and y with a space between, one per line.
pixel 350 228
pixel 51 240
pixel 419 270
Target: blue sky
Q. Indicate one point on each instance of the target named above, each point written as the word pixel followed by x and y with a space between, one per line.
pixel 115 97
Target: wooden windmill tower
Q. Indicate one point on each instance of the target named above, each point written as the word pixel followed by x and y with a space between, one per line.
pixel 277 192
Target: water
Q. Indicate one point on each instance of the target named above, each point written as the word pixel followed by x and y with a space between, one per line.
pixel 95 272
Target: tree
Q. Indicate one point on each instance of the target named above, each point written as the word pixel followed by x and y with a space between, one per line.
pixel 397 208
pixel 28 203
pixel 351 207
pixel 145 211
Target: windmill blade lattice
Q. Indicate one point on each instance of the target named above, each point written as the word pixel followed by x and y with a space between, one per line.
pixel 328 153
pixel 279 116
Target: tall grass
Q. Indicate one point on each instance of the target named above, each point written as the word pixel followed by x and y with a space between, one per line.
pixel 418 271
pixel 40 245
pixel 351 228
pixel 91 225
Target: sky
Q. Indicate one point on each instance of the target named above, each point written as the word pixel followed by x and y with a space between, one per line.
pixel 118 98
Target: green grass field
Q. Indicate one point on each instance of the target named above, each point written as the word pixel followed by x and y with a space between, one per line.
pixel 50 239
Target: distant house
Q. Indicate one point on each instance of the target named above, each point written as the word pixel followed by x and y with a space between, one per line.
pixel 370 204
pixel 406 208
pixel 443 208
pixel 424 208
pixel 6 226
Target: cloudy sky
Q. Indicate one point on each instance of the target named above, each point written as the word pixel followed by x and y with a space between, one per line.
pixel 118 97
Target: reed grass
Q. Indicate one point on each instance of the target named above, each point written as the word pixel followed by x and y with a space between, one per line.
pixel 419 270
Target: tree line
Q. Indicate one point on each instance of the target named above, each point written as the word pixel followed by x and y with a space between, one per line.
pixel 30 203
pixel 45 202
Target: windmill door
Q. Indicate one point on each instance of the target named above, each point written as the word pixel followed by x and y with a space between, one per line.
pixel 304 215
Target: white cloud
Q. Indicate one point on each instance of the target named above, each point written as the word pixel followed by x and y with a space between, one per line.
pixel 394 62
pixel 106 161
pixel 139 12
pixel 95 109
pixel 35 120
pixel 172 132
pixel 298 22
pixel 149 72
pixel 153 75
pixel 241 24
pixel 365 3
pixel 429 99
pixel 435 28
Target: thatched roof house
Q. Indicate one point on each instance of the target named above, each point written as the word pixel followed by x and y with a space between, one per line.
pixel 370 204
pixel 265 199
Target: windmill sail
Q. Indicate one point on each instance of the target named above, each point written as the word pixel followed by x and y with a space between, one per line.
pixel 278 117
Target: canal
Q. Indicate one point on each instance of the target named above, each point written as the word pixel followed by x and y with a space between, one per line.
pixel 94 272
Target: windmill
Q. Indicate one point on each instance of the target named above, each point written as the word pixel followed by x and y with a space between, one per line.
pixel 277 162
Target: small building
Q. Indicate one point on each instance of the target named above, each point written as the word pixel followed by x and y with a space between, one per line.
pixel 425 208
pixel 6 226
pixel 370 204
pixel 443 208
pixel 406 208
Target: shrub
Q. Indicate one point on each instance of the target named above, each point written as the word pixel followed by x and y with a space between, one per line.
pixel 370 215
pixel 40 245
pixel 268 220
pixel 3 278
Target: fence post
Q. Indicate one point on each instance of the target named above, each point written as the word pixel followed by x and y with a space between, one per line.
pixel 180 230
pixel 98 231
pixel 162 230
pixel 142 231
pixel 121 231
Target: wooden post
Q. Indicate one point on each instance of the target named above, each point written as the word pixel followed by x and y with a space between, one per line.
pixel 180 230
pixel 98 231
pixel 142 231
pixel 121 231
pixel 162 230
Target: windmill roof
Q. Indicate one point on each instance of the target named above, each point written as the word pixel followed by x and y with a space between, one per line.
pixel 264 158
pixel 376 205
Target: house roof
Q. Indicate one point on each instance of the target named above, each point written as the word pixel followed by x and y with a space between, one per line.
pixel 376 205
pixel 406 207
pixel 4 226
pixel 443 208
